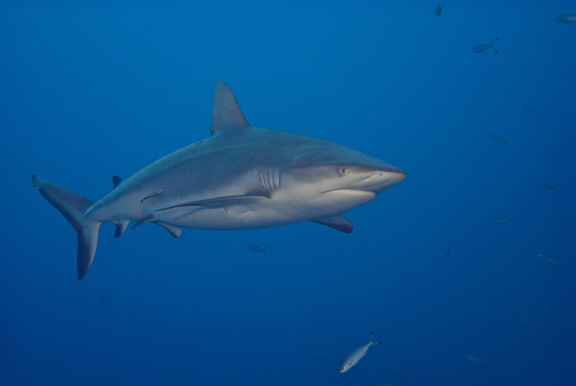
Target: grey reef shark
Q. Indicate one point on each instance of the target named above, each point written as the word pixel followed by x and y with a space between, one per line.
pixel 242 177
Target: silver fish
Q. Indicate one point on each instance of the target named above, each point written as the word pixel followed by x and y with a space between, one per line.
pixel 357 354
pixel 550 259
pixel 567 18
pixel 549 189
pixel 500 220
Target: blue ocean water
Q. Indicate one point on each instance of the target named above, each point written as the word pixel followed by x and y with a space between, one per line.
pixel 91 90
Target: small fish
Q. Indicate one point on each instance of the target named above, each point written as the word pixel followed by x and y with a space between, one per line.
pixel 501 140
pixel 447 251
pixel 531 110
pixel 549 189
pixel 473 358
pixel 481 47
pixel 318 351
pixel 567 18
pixel 438 10
pixel 550 259
pixel 357 354
pixel 257 248
pixel 500 220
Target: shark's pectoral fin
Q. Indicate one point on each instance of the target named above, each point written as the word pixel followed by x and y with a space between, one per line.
pixel 337 221
pixel 221 202
pixel 143 220
pixel 174 230
pixel 120 228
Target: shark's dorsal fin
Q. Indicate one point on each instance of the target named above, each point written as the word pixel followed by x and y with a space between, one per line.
pixel 116 181
pixel 337 221
pixel 227 113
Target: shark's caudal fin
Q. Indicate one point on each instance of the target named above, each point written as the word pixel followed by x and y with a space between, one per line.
pixel 73 206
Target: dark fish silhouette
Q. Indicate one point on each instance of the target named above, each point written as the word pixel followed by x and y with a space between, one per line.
pixel 257 248
pixel 567 18
pixel 438 10
pixel 481 47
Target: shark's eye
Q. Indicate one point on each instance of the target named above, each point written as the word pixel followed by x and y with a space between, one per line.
pixel 343 171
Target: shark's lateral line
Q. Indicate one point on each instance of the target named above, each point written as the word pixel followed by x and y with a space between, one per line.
pixel 242 177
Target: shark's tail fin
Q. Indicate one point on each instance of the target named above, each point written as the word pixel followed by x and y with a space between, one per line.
pixel 73 206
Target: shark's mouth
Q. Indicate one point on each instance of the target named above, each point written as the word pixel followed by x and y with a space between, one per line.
pixel 373 192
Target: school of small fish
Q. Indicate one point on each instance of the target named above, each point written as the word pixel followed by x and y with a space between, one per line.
pixel 356 355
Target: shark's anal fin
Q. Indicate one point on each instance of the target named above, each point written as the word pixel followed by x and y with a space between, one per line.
pixel 221 202
pixel 155 194
pixel 336 221
pixel 227 113
pixel 116 181
pixel 143 220
pixel 174 230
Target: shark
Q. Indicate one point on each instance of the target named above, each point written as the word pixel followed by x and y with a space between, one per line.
pixel 241 177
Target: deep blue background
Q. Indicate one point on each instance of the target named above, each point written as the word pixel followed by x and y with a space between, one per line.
pixel 89 91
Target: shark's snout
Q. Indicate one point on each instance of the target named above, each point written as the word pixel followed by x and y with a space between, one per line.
pixel 392 176
pixel 382 179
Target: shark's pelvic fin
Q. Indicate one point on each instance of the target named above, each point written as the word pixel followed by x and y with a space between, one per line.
pixel 116 181
pixel 149 217
pixel 174 230
pixel 73 206
pixel 220 202
pixel 337 221
pixel 227 113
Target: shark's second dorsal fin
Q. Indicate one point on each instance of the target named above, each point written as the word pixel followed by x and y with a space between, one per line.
pixel 116 181
pixel 227 113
